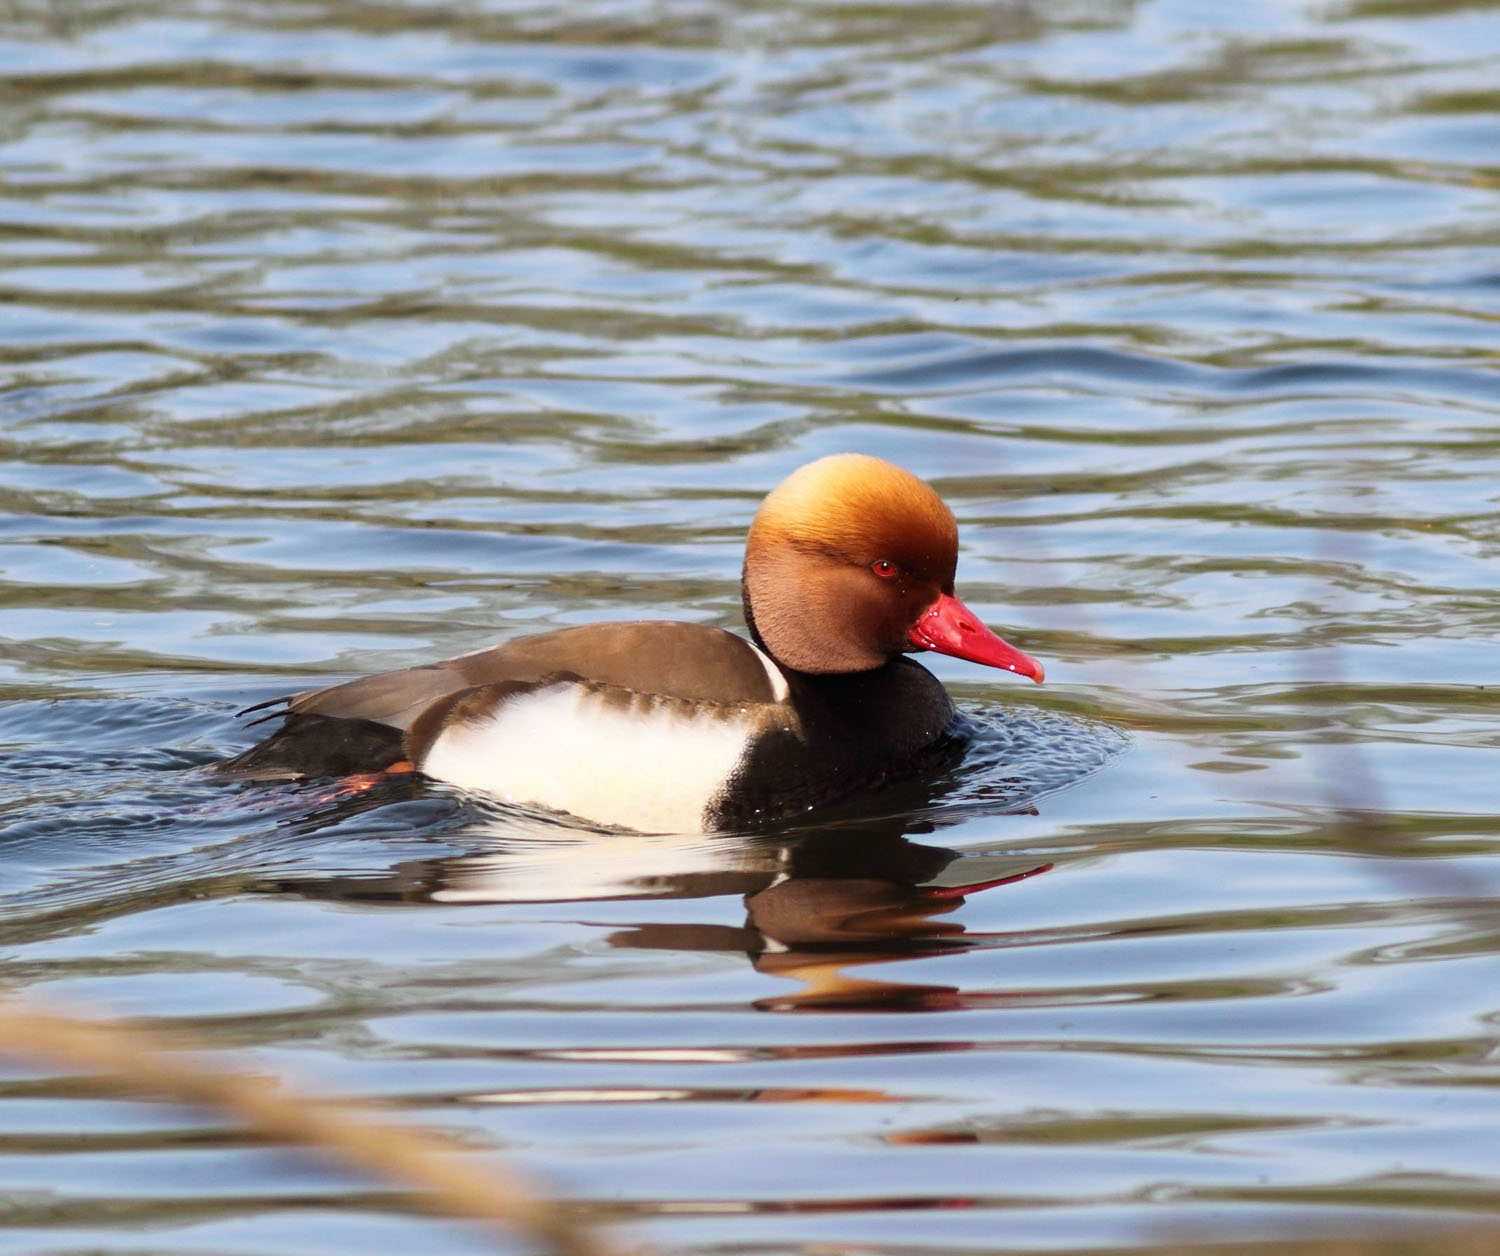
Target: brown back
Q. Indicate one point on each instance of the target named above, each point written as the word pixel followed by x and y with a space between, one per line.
pixel 685 661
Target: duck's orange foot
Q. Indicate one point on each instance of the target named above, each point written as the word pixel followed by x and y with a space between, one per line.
pixel 360 782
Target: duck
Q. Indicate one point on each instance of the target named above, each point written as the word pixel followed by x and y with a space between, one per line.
pixel 676 727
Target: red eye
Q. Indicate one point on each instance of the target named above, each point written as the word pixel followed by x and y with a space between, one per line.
pixel 883 568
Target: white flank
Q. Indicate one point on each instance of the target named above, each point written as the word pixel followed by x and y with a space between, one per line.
pixel 565 749
pixel 780 690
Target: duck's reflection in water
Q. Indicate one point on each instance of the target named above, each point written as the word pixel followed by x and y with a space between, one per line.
pixel 817 927
pixel 818 903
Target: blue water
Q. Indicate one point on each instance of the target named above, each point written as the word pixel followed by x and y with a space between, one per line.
pixel 339 338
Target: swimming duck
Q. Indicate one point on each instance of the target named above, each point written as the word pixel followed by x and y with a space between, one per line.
pixel 680 727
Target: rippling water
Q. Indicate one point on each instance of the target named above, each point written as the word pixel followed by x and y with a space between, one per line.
pixel 341 337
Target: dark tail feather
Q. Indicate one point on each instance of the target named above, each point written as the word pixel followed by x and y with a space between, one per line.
pixel 316 745
pixel 261 706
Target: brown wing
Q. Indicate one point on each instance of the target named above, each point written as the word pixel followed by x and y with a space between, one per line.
pixel 690 661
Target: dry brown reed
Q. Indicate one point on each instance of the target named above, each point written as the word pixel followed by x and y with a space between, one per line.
pixel 140 1061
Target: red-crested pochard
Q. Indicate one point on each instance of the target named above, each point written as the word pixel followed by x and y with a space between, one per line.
pixel 676 727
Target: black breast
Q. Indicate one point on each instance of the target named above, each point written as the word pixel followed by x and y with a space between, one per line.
pixel 859 732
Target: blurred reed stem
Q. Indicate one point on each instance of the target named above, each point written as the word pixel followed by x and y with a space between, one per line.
pixel 137 1060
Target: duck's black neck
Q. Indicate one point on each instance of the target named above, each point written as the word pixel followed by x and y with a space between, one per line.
pixel 750 615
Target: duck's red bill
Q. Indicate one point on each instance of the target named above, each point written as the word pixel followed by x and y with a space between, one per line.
pixel 950 627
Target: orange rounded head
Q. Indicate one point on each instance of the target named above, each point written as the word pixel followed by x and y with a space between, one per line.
pixel 850 562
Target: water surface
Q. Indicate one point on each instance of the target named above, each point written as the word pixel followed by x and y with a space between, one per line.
pixel 335 338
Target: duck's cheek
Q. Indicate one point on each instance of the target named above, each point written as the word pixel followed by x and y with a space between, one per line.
pixel 647 764
pixel 885 614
